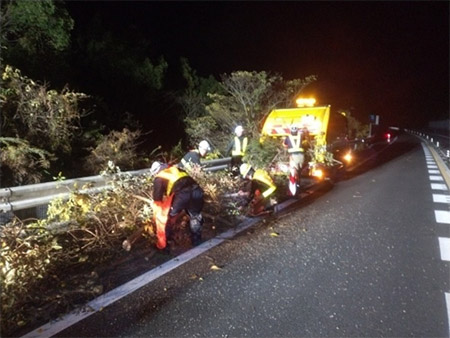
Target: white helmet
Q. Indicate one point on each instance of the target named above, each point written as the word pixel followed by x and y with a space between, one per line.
pixel 155 168
pixel 204 145
pixel 245 169
pixel 238 129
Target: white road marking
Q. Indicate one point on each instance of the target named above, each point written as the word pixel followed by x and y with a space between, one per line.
pixel 447 301
pixel 440 198
pixel 436 178
pixel 444 246
pixel 439 186
pixel 433 171
pixel 58 325
pixel 442 216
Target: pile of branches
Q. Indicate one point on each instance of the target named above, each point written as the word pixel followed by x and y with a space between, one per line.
pixel 48 266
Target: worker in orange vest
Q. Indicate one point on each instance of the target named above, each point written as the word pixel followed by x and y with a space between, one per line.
pixel 173 191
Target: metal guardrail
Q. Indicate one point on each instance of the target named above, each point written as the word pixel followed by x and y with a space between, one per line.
pixel 34 195
pixel 439 142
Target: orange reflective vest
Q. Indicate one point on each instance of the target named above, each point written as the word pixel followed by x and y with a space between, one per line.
pixel 161 208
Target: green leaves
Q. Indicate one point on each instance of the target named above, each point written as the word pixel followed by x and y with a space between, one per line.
pixel 36 25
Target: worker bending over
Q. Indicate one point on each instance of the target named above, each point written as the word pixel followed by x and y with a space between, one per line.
pixel 173 191
pixel 259 189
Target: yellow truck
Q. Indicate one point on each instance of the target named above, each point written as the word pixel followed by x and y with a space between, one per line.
pixel 329 145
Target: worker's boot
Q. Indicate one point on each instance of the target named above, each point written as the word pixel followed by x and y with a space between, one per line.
pixel 195 224
pixel 196 239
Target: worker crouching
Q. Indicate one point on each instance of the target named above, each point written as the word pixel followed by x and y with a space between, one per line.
pixel 174 191
pixel 259 189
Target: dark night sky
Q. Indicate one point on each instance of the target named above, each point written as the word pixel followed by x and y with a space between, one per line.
pixel 386 58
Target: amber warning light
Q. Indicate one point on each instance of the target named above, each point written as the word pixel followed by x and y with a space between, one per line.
pixel 305 102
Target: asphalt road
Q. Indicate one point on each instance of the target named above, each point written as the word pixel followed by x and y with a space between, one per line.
pixel 359 259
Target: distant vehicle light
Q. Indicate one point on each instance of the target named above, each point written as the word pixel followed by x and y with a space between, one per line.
pixel 388 137
pixel 305 102
pixel 348 157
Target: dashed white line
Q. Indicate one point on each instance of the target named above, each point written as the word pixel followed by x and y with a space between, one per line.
pixel 440 198
pixel 436 178
pixel 442 216
pixel 444 246
pixel 433 171
pixel 432 166
pixel 439 186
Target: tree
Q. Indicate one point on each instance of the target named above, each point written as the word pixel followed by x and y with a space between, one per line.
pixel 195 97
pixel 115 66
pixel 36 124
pixel 34 33
pixel 244 98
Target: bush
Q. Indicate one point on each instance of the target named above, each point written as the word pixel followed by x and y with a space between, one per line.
pixel 40 259
pixel 117 147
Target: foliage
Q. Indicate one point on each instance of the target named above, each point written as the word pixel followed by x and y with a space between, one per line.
pixel 88 228
pixel 264 154
pixel 33 26
pixel 123 59
pixel 356 128
pixel 201 128
pixel 28 254
pixel 195 97
pixel 118 147
pixel 23 162
pixel 42 123
pixel 84 230
pixel 35 36
pixel 43 117
pixel 244 98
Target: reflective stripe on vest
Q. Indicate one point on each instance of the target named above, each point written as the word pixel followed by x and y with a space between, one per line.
pixel 171 174
pixel 238 151
pixel 295 143
pixel 263 176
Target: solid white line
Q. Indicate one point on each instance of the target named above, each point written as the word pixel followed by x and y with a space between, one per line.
pixel 442 216
pixel 447 301
pixel 440 198
pixel 58 325
pixel 110 297
pixel 444 246
pixel 436 178
pixel 438 186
